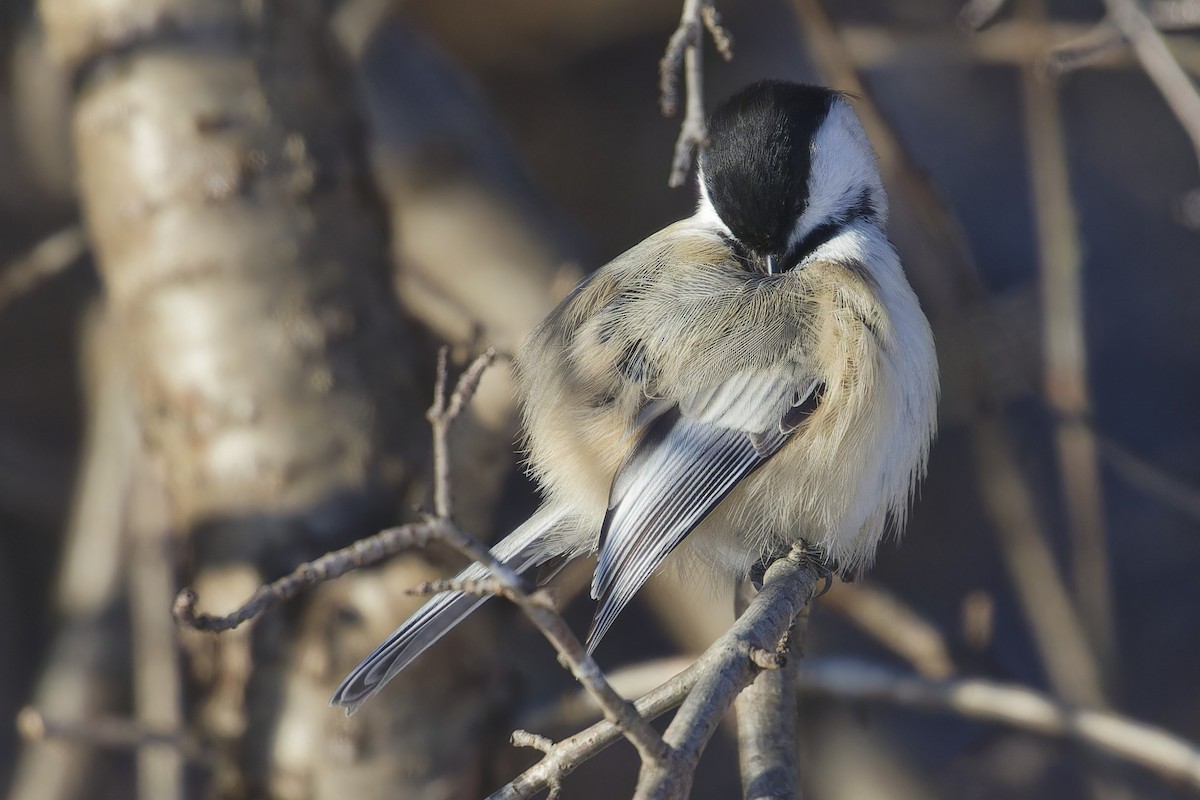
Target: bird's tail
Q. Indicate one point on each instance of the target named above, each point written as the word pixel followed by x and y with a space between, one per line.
pixel 522 550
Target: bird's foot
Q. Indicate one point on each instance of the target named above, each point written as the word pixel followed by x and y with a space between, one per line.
pixel 825 567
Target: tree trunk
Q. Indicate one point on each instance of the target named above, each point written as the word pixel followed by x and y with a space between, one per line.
pixel 245 261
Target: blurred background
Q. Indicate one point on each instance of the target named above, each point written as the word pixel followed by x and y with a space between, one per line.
pixel 232 235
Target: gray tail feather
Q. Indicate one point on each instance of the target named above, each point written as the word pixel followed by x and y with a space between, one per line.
pixel 522 550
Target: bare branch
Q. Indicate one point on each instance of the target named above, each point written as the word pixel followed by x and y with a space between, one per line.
pixel 1150 478
pixel 483 587
pixel 362 553
pixel 1064 352
pixel 537 606
pixel 767 722
pixel 1151 49
pixel 1083 51
pixel 441 416
pixel 1172 15
pixel 884 617
pixel 726 669
pixel 975 14
pixel 111 733
pixel 538 742
pixel 48 258
pixel 710 685
pixel 685 54
pixel 1171 756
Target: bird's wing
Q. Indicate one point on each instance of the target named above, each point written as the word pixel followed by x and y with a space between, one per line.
pixel 687 458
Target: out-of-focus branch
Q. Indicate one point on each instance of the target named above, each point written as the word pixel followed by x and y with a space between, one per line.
pixel 977 13
pixel 112 733
pixel 885 618
pixel 685 54
pixel 944 274
pixel 1151 49
pixel 1007 42
pixel 48 258
pixel 157 684
pixel 87 660
pixel 1172 757
pixel 1174 14
pixel 1150 478
pixel 1064 352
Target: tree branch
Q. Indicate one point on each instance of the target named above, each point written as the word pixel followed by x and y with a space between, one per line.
pixel 685 54
pixel 1171 756
pixel 767 722
pixel 885 618
pixel 726 668
pixel 49 257
pixel 362 553
pixel 1160 65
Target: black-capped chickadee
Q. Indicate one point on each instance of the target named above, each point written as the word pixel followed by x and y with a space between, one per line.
pixel 757 374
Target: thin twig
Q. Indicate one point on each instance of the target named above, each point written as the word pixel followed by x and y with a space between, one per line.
pixel 1064 351
pixel 726 669
pixel 1150 478
pixel 481 587
pixel 975 14
pixel 443 413
pixel 685 54
pixel 362 553
pixel 50 257
pixel 1160 65
pixel 885 618
pixel 566 756
pixel 111 733
pixel 1083 51
pixel 1009 42
pixel 1171 756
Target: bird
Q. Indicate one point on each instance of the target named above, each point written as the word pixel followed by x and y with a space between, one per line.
pixel 755 375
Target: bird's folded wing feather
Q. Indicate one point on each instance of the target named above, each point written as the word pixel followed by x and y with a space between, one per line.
pixel 687 458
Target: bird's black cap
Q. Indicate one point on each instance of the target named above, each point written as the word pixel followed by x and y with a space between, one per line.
pixel 757 161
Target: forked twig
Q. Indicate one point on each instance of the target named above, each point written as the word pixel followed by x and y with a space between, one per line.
pixel 684 55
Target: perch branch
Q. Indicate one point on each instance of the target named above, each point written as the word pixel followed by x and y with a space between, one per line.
pixel 726 668
pixel 767 721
